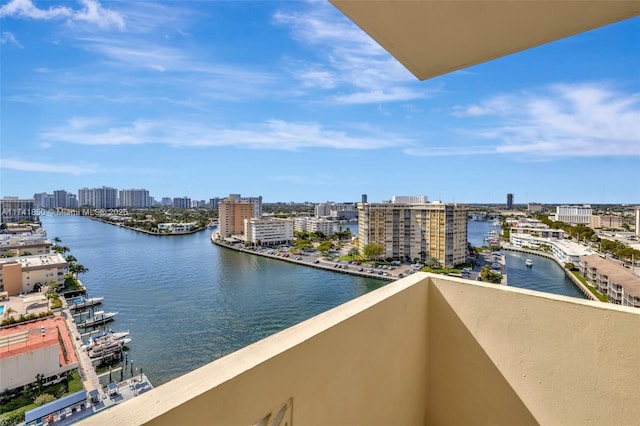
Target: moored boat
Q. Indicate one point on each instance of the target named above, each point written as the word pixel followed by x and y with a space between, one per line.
pixel 99 318
pixel 82 302
pixel 529 263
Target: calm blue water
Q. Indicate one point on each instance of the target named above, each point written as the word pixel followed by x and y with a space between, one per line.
pixel 546 275
pixel 187 301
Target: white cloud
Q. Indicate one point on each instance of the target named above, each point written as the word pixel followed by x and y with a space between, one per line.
pixel 563 120
pixel 7 37
pixel 271 134
pixel 350 59
pixel 30 166
pixel 91 12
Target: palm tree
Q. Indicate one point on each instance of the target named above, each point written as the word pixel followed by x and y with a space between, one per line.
pixel 71 258
pixel 353 252
pixel 8 311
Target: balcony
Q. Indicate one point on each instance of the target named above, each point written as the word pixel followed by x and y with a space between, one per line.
pixel 426 349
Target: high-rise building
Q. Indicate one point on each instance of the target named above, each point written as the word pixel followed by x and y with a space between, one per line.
pixel 182 203
pixel 166 202
pixel 72 200
pixel 59 198
pixel 105 197
pixel 136 198
pixel 85 197
pixel 637 221
pixel 43 200
pixel 509 201
pixel 233 211
pixel 410 231
pixel 213 202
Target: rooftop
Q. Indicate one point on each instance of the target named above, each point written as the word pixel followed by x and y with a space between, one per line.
pixel 31 336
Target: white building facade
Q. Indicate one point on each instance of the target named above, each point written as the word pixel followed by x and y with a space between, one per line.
pixel 268 231
pixel 577 215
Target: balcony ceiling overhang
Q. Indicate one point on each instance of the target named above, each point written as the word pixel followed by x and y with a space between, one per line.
pixel 434 37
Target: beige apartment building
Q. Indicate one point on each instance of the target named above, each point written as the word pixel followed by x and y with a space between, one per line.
pixel 409 231
pixel 605 221
pixel 21 274
pixel 232 214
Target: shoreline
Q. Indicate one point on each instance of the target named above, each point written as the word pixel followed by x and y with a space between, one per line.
pixel 322 264
pixel 144 231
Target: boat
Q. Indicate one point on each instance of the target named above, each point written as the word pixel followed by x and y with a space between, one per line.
pixel 107 348
pixel 83 302
pixel 100 317
pixel 529 263
pixel 104 338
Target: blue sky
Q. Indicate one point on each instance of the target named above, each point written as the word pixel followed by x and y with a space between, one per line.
pixel 292 101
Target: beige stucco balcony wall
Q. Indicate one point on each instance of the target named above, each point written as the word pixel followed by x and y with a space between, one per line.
pixel 421 350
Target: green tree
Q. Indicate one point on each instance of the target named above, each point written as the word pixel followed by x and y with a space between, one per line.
pixel 372 251
pixel 353 252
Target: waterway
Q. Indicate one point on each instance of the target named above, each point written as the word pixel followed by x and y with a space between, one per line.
pixel 545 275
pixel 188 302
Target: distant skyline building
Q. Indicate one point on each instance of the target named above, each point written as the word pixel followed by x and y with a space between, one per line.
pixel 509 201
pixel 410 199
pixel 534 207
pixel 344 211
pixel 415 231
pixel 182 202
pixel 43 200
pixel 59 198
pixel 105 197
pixel 85 197
pixel 135 198
pixel 214 202
pixel 166 202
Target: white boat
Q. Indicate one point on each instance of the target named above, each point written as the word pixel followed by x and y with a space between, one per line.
pixel 107 348
pixel 100 317
pixel 104 338
pixel 529 263
pixel 83 302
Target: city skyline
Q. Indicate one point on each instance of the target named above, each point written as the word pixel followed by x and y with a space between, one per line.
pixel 274 99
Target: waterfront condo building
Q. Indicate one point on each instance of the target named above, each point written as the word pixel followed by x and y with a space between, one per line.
pixel 316 224
pixel 605 221
pixel 409 231
pixel 621 285
pixel 22 274
pixel 233 210
pixel 575 215
pixel 268 231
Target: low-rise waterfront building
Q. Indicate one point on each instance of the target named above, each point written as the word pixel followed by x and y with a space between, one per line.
pixel 13 209
pixel 408 231
pixel 563 250
pixel 11 245
pixel 176 228
pixel 23 274
pixel 316 224
pixel 35 350
pixel 268 231
pixel 612 278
